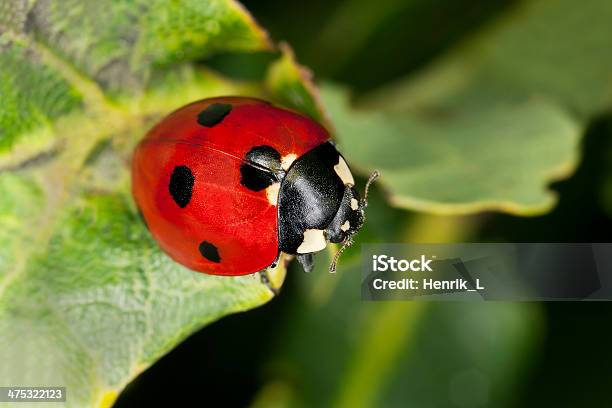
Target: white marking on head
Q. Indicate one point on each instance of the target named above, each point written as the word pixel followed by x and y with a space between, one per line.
pixel 354 204
pixel 287 161
pixel 343 171
pixel 314 240
pixel 346 226
pixel 272 193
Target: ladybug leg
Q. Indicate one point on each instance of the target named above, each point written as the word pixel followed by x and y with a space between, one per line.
pixel 263 275
pixel 307 262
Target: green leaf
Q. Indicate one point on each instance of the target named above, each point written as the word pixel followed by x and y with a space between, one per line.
pixel 22 200
pixel 101 302
pixel 119 43
pixel 87 299
pixel 499 157
pixel 57 57
pixel 33 95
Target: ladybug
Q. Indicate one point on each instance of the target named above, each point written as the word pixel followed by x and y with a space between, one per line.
pixel 227 184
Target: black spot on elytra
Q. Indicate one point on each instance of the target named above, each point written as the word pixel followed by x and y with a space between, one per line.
pixel 209 251
pixel 261 169
pixel 254 178
pixel 181 185
pixel 214 114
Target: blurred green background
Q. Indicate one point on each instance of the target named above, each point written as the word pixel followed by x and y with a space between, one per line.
pixel 317 344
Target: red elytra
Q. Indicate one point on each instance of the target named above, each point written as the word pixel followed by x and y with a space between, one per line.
pixel 211 222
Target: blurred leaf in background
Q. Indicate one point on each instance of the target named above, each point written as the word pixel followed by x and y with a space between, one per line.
pixel 501 157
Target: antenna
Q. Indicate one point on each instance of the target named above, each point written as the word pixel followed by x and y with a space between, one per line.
pixel 373 176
